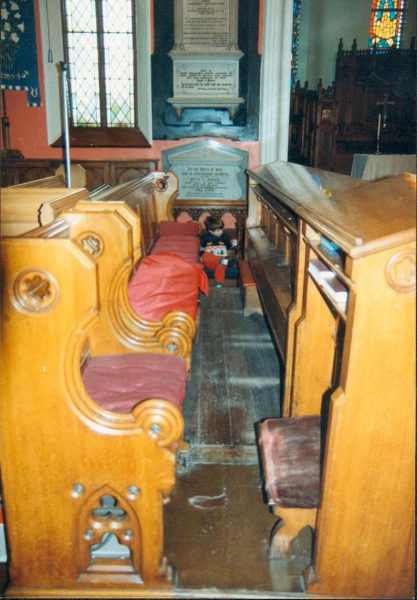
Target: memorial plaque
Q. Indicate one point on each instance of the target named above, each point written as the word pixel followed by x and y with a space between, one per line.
pixel 217 78
pixel 206 55
pixel 208 170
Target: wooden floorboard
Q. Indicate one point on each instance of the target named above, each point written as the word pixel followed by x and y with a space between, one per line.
pixel 235 374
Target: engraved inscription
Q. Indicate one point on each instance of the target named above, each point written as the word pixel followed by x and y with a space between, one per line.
pixel 208 171
pixel 213 183
pixel 220 78
pixel 206 23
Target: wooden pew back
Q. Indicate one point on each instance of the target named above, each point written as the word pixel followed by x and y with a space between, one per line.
pixel 26 208
pixel 151 198
pixel 110 232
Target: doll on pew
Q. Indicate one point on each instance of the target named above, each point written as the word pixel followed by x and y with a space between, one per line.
pixel 215 249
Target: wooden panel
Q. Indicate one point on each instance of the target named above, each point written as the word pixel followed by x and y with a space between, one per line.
pixel 98 172
pixel 314 354
pixel 369 463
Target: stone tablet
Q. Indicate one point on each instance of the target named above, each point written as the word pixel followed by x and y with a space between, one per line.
pixel 206 55
pixel 208 170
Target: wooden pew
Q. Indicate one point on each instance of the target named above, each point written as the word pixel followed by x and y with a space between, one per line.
pixel 72 470
pixel 334 262
pixel 151 198
pixel 110 233
pixel 26 208
pixel 55 181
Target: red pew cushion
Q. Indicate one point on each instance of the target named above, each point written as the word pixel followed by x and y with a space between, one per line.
pixel 290 452
pixel 166 282
pixel 118 382
pixel 188 247
pixel 179 229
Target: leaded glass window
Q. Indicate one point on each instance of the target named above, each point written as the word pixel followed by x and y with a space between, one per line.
pixel 386 23
pixel 101 54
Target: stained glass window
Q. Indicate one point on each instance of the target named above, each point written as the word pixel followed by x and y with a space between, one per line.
pixel 100 43
pixel 386 23
pixel 295 41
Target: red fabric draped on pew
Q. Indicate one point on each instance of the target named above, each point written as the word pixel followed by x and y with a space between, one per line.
pixel 181 238
pixel 166 282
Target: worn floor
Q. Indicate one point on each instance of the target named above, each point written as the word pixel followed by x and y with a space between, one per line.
pixel 217 524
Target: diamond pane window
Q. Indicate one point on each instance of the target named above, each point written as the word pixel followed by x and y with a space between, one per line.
pixel 386 24
pixel 100 45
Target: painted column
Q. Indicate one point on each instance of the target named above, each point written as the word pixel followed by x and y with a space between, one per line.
pixel 275 80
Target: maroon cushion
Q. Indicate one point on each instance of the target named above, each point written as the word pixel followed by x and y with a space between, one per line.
pixel 118 382
pixel 246 275
pixel 191 228
pixel 187 247
pixel 290 452
pixel 165 282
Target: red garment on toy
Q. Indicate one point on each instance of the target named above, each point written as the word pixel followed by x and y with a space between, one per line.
pixel 165 282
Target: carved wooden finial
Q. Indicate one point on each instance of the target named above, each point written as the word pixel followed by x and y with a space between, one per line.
pixel 354 45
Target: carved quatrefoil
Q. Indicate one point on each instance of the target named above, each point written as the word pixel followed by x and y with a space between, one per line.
pixel 161 185
pixel 36 291
pixel 401 271
pixel 91 243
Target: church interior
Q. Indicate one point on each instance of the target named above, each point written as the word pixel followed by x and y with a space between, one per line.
pixel 207 299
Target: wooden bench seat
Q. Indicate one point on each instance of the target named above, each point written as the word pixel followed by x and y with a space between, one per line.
pixel 290 453
pixel 71 450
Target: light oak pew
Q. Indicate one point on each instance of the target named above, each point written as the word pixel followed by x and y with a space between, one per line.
pixel 151 198
pixel 26 208
pixel 110 233
pixel 334 261
pixel 55 181
pixel 73 471
pixel 32 204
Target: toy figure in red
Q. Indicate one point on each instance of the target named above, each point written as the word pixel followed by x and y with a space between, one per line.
pixel 214 247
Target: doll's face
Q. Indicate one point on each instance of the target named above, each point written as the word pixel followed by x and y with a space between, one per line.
pixel 216 232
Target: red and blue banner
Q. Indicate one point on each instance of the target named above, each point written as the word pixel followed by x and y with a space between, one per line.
pixel 19 64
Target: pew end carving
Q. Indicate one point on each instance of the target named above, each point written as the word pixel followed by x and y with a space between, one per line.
pixel 111 234
pixel 82 487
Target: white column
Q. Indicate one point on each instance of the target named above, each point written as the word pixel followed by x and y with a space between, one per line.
pixel 275 80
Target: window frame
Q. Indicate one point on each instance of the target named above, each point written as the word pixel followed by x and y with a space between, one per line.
pixel 85 137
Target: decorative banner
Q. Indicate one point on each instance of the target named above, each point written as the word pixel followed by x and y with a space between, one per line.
pixel 18 49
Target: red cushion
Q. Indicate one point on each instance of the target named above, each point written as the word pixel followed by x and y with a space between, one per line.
pixel 187 247
pixel 180 229
pixel 165 282
pixel 290 451
pixel 118 382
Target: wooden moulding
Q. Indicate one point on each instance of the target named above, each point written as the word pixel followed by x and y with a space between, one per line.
pixel 25 208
